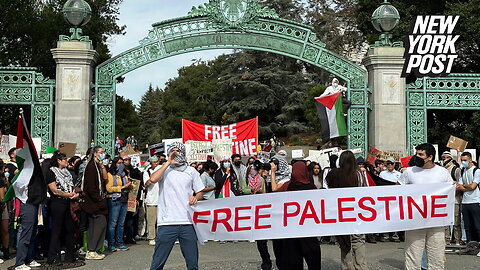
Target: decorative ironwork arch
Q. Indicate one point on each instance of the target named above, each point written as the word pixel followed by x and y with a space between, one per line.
pixel 230 24
pixel 25 86
pixel 454 92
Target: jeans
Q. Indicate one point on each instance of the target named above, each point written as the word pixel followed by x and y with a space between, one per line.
pixel 166 237
pixel 471 219
pixel 116 219
pixel 26 234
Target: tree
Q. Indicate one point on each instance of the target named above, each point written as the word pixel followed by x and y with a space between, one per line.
pixel 151 115
pixel 126 118
pixel 30 28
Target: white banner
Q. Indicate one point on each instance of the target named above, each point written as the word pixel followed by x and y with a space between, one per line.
pixel 222 148
pixel 198 150
pixel 325 212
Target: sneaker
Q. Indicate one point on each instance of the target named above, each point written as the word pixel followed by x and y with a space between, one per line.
pixel 23 267
pixel 34 264
pixel 177 242
pixel 94 256
pixel 112 248
pixel 478 254
pixel 1 261
pixel 151 243
pixel 122 248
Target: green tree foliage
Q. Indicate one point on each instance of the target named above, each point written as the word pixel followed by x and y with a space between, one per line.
pixel 151 116
pixel 126 118
pixel 30 28
pixel 310 108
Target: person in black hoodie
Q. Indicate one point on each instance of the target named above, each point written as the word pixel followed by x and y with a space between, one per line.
pixel 131 221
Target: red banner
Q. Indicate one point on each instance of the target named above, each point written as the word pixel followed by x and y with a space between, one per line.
pixel 244 134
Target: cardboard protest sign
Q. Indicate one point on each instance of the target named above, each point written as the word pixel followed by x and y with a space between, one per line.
pixel 132 195
pixel 222 148
pixel 322 157
pixel 135 160
pixel 457 143
pixel 198 150
pixel 67 148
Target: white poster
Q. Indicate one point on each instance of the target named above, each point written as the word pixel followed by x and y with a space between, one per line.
pixel 297 153
pixel 222 148
pixel 168 142
pixel 323 212
pixel 198 150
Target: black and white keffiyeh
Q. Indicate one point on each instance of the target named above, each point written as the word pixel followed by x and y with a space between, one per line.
pixel 63 178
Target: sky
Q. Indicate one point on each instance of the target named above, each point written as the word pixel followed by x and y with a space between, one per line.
pixel 138 16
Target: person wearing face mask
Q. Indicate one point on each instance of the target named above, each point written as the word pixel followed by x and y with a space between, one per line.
pixel 94 202
pixel 452 166
pixel 333 88
pixel 468 183
pixel 226 181
pixel 241 172
pixel 117 200
pixel 425 171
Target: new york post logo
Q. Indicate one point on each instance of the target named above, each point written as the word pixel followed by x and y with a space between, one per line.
pixel 430 48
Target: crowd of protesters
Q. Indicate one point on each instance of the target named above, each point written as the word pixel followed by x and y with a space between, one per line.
pixel 87 213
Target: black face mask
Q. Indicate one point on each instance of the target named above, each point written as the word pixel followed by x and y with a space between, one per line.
pixel 416 161
pixel 237 163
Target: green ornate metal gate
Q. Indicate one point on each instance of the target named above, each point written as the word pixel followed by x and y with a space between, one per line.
pixel 454 92
pixel 25 86
pixel 234 24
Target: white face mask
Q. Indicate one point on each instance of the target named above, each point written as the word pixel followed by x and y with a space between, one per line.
pixel 335 84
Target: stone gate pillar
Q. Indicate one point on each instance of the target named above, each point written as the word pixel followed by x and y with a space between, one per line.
pixel 75 69
pixel 387 120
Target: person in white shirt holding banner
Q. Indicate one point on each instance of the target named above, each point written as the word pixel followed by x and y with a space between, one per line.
pixel 176 183
pixel 424 171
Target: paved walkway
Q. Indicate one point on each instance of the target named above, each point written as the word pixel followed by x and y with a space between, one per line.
pixel 244 255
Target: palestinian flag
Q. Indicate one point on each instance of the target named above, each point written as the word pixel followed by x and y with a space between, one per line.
pixel 28 185
pixel 330 113
pixel 226 191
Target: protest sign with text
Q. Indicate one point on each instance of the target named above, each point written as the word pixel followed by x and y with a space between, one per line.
pixel 244 135
pixel 198 150
pixel 325 212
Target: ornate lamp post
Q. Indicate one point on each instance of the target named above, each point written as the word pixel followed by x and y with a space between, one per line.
pixel 77 13
pixel 384 20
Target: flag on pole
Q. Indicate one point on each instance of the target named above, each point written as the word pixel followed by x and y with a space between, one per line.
pixel 226 191
pixel 28 185
pixel 330 113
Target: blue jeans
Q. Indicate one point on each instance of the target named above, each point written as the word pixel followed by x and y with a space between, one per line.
pixel 116 219
pixel 166 237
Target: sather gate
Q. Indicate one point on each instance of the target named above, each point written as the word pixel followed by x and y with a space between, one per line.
pixel 233 24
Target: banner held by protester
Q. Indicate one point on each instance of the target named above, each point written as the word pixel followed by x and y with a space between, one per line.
pixel 325 212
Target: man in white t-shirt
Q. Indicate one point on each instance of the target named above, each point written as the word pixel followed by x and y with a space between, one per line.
pixel 390 174
pixel 151 199
pixel 177 183
pixel 468 183
pixel 425 171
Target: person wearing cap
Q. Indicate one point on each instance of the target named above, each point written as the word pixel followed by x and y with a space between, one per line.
pixel 452 166
pixel 177 183
pixel 390 173
pixel 151 199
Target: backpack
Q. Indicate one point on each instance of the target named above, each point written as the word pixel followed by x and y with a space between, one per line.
pixel 452 172
pixel 474 171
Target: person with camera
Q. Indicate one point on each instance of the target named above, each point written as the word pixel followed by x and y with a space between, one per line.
pixel 117 201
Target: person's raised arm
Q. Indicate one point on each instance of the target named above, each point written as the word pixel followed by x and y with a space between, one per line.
pixel 275 186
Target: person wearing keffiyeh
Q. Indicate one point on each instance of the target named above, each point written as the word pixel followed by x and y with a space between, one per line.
pixel 177 183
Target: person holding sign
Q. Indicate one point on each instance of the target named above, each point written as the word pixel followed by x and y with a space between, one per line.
pixel 176 184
